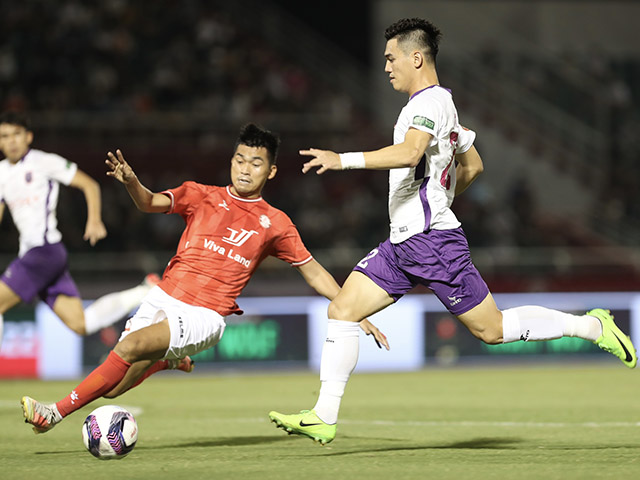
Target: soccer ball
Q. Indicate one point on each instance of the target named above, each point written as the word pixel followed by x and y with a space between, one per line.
pixel 109 432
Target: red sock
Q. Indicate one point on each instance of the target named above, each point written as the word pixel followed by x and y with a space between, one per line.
pixel 155 368
pixel 97 383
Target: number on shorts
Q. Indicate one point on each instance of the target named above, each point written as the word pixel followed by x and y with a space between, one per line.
pixel 363 263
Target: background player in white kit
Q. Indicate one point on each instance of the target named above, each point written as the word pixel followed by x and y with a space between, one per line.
pixel 432 160
pixel 29 184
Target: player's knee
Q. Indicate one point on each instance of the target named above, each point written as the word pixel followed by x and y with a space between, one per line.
pixel 340 311
pixel 489 335
pixel 130 348
pixel 77 327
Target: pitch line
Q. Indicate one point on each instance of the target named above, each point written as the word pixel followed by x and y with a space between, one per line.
pixel 462 423
pixel 472 423
pixel 15 405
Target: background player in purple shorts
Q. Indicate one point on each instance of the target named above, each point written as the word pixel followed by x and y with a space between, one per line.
pixel 29 183
pixel 432 159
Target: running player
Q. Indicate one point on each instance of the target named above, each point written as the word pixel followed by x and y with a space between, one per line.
pixel 432 160
pixel 29 184
pixel 229 231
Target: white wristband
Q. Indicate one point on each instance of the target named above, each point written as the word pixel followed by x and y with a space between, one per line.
pixel 352 160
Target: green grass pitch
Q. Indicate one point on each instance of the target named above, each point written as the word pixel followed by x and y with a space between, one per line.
pixel 524 422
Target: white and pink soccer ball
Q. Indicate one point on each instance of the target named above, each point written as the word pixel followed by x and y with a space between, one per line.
pixel 110 432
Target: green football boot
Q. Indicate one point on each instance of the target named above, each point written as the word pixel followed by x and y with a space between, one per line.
pixel 305 423
pixel 613 340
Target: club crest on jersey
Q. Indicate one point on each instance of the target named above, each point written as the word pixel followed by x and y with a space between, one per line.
pixel 265 222
pixel 238 238
pixel 28 177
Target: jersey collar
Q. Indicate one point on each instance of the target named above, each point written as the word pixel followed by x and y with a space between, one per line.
pixel 235 197
pixel 427 88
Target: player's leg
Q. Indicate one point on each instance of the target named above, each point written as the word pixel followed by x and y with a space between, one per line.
pixel 535 323
pixel 112 307
pixel 136 371
pixel 528 323
pixel 360 297
pixel 64 299
pixel 484 321
pixel 8 299
pixel 140 371
pixel 22 280
pixel 148 343
pixel 373 286
pixel 70 311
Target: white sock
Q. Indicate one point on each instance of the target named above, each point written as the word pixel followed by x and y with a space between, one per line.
pixel 532 323
pixel 339 358
pixel 112 307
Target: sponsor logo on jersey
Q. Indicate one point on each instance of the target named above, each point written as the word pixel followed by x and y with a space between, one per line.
pixel 28 177
pixel 224 205
pixel 238 238
pixel 423 122
pixel 221 250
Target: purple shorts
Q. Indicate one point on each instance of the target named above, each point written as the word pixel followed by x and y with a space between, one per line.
pixel 438 259
pixel 41 271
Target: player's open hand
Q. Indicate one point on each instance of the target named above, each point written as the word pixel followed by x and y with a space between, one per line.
pixel 324 159
pixel 379 337
pixel 94 231
pixel 119 168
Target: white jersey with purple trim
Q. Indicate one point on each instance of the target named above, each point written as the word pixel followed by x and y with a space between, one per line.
pixel 420 197
pixel 29 188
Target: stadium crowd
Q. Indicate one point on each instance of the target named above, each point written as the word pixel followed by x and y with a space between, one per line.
pixel 141 57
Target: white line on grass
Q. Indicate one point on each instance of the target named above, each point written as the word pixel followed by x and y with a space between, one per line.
pixel 15 405
pixel 465 423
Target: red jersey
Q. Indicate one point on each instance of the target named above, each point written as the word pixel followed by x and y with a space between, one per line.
pixel 225 240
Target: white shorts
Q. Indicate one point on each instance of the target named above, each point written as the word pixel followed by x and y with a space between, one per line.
pixel 193 329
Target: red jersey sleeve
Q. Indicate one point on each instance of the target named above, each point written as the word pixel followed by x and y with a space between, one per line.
pixel 288 246
pixel 185 198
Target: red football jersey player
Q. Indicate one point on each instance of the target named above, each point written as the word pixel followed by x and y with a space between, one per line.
pixel 229 231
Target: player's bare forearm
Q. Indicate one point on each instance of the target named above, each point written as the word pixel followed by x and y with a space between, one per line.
pixel 142 197
pixel 469 167
pixel 323 282
pixel 405 154
pixel 94 229
pixel 319 279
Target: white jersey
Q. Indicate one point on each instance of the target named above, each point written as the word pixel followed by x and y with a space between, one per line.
pixel 29 188
pixel 420 197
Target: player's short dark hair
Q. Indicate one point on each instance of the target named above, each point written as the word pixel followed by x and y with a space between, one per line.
pixel 16 118
pixel 424 34
pixel 252 135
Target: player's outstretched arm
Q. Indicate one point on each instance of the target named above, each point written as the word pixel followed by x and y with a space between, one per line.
pixel 405 154
pixel 145 199
pixel 323 282
pixel 94 229
pixel 469 167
